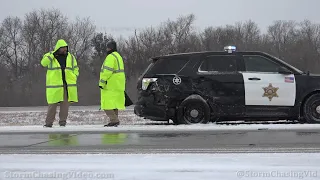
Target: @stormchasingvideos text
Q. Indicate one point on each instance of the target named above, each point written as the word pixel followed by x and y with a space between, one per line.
pixel 56 174
pixel 296 174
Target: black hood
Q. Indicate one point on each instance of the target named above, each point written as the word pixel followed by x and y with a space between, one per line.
pixel 112 45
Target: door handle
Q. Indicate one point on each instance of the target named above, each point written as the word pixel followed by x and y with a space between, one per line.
pixel 254 79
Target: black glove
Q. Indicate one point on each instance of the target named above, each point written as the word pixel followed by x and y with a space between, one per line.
pixel 101 86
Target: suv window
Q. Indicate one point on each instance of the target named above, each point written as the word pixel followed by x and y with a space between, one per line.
pixel 259 64
pixel 168 66
pixel 221 63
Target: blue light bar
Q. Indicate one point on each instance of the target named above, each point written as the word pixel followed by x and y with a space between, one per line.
pixel 230 49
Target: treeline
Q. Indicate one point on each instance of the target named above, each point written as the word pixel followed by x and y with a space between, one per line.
pixel 23 41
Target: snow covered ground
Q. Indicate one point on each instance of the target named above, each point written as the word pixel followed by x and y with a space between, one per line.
pixel 78 115
pixel 159 167
pixel 87 118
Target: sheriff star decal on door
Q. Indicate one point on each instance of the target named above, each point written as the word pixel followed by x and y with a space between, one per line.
pixel 270 92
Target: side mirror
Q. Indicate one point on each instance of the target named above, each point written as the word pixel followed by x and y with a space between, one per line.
pixel 283 70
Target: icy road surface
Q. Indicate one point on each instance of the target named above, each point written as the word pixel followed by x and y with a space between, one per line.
pixel 195 128
pixel 117 141
pixel 78 115
pixel 161 167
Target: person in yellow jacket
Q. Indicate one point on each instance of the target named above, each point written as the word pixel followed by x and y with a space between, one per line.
pixel 61 81
pixel 112 84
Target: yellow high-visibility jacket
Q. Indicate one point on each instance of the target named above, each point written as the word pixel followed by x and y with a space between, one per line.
pixel 54 82
pixel 113 82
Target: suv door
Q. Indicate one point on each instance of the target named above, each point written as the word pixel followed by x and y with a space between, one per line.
pixel 220 80
pixel 264 85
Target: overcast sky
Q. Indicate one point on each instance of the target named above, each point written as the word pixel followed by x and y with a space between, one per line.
pixel 125 15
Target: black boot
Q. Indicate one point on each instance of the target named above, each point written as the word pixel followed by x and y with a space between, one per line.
pixel 112 124
pixel 48 126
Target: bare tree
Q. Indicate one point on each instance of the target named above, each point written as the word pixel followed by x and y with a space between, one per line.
pixel 282 33
pixel 2 45
pixel 12 41
pixel 79 36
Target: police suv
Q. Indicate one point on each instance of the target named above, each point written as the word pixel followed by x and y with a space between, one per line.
pixel 198 87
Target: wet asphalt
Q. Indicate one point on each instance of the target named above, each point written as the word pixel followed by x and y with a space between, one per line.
pixel 163 142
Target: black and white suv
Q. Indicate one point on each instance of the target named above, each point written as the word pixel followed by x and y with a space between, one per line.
pixel 229 85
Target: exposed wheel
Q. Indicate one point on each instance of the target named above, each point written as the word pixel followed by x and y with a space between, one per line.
pixel 311 109
pixel 193 110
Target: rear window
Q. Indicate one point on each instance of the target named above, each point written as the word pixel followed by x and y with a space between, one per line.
pixel 219 63
pixel 167 66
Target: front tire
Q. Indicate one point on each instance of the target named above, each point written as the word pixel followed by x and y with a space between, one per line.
pixel 193 110
pixel 311 109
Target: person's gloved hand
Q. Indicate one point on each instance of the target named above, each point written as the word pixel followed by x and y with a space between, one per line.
pixel 101 85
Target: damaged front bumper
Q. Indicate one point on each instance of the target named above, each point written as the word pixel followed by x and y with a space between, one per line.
pixel 147 108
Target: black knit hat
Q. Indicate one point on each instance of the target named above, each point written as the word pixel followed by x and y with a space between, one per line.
pixel 112 45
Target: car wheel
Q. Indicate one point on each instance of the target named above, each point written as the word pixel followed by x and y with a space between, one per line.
pixel 311 109
pixel 193 110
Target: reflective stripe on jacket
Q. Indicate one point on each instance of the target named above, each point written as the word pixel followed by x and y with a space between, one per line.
pixel 113 81
pixel 54 81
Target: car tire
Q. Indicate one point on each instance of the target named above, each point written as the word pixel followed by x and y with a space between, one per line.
pixel 193 110
pixel 311 109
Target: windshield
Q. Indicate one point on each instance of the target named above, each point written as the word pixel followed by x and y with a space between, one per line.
pixel 147 69
pixel 289 65
pixel 166 66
